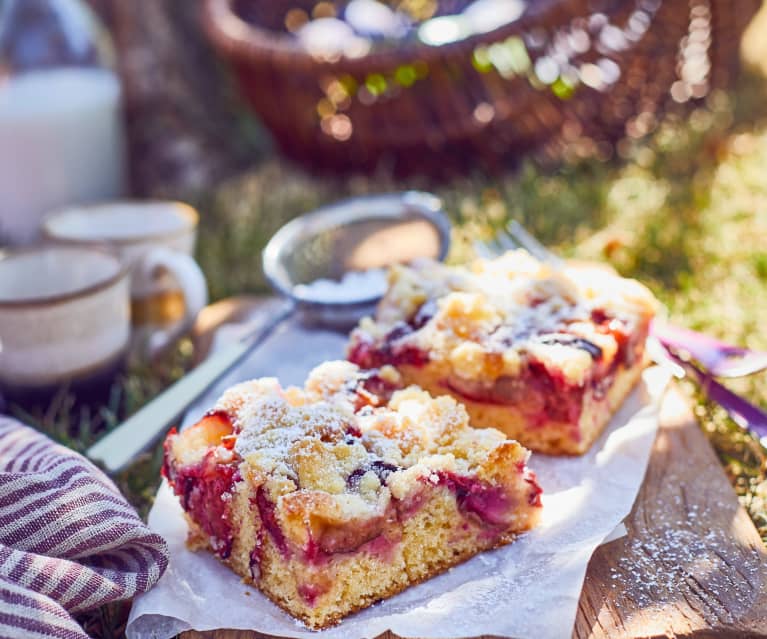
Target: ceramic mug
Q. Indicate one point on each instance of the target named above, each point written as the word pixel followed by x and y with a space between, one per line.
pixel 155 239
pixel 64 317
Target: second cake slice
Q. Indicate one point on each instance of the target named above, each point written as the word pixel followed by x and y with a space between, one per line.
pixel 544 355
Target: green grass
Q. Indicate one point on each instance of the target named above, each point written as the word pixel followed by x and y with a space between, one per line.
pixel 684 210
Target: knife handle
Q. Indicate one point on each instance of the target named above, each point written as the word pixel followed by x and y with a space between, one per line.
pixel 120 447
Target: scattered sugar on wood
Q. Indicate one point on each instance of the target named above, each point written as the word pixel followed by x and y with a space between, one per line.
pixel 679 563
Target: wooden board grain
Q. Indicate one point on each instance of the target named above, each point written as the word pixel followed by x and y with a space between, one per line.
pixel 692 564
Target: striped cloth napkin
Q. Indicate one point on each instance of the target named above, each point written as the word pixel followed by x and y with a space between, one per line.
pixel 69 541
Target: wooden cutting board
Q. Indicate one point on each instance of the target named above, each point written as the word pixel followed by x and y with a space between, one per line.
pixel 692 564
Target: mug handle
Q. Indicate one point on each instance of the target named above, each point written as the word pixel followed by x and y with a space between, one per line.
pixel 191 281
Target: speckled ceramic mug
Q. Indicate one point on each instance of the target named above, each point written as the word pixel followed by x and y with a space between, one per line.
pixel 64 317
pixel 155 239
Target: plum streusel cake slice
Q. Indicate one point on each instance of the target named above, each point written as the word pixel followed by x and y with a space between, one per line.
pixel 331 497
pixel 544 355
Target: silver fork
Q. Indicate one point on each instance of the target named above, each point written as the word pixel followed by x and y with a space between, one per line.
pixel 716 359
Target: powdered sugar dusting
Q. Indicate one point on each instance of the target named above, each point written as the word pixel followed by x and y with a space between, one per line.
pixel 352 287
pixel 314 437
pixel 270 424
pixel 674 557
pixel 272 431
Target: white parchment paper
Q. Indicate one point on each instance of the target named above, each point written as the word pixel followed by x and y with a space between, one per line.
pixel 529 589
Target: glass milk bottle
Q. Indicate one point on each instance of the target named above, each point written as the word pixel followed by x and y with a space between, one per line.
pixel 61 137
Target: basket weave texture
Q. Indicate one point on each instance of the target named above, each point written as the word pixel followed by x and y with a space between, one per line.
pixel 568 74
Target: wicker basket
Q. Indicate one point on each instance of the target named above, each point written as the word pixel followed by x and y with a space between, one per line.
pixel 569 74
